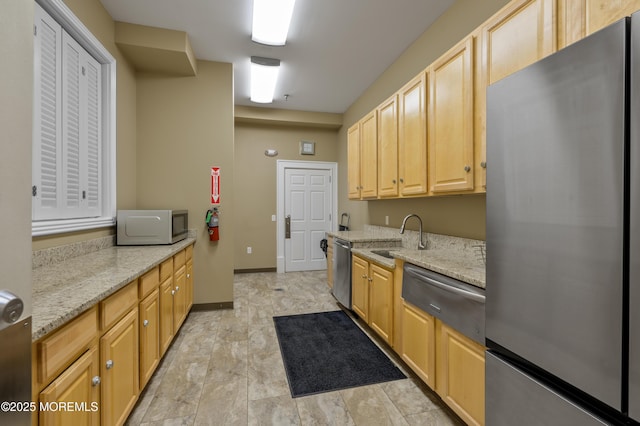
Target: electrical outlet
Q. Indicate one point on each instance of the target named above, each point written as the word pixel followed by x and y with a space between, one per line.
pixel 273 218
pixel 248 250
pixel 386 220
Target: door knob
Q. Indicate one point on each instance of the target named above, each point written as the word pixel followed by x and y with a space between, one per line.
pixel 109 364
pixel 95 381
pixel 145 323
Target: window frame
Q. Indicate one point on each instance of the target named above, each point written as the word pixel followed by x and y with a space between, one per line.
pixel 72 25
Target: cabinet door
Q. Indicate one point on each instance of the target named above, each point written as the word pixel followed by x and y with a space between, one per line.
pixel 388 148
pixel 360 287
pixel 179 298
pixel 75 385
pixel 579 18
pixel 149 336
pixel 451 120
pixel 119 369
pixel 412 137
pixel 166 314
pixel 418 343
pixel 369 156
pixel 353 161
pixel 518 35
pixel 189 284
pixel 460 374
pixel 381 302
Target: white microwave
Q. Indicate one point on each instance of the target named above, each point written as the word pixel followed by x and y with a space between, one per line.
pixel 151 227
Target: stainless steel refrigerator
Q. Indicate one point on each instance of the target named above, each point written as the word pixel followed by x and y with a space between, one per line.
pixel 563 236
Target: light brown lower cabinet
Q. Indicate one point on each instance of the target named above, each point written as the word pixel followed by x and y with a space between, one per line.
pixel 100 361
pixel 446 360
pixel 119 369
pixel 418 343
pixel 149 336
pixel 79 382
pixel 372 296
pixel 460 373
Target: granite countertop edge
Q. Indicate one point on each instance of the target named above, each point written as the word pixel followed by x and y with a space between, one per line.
pixel 465 268
pixel 66 289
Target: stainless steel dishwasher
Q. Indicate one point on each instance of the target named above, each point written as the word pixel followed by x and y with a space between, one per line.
pixel 342 272
pixel 454 302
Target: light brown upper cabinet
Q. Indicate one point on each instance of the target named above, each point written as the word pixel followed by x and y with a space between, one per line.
pixel 388 148
pixel 451 120
pixel 369 156
pixel 412 137
pixel 579 18
pixel 362 154
pixel 518 35
pixel 353 161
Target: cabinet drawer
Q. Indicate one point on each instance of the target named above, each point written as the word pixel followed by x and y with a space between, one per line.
pixel 189 252
pixel 113 308
pixel 61 348
pixel 166 269
pixel 179 259
pixel 149 282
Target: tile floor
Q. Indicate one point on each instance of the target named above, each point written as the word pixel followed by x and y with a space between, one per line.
pixel 225 368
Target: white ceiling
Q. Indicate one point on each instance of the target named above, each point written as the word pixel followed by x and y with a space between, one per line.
pixel 334 51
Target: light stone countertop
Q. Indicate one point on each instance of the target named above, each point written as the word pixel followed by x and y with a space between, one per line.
pixel 458 258
pixel 63 290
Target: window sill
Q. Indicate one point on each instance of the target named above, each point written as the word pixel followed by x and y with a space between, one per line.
pixel 50 227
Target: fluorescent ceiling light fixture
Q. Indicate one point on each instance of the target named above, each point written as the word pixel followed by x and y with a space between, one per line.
pixel 264 75
pixel 271 19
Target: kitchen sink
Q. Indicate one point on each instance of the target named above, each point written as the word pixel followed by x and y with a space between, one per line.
pixel 383 253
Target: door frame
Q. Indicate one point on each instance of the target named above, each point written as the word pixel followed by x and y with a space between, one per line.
pixel 283 165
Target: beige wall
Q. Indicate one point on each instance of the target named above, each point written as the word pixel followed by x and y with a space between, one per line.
pixel 99 22
pixel 185 126
pixel 457 22
pixel 16 89
pixel 255 184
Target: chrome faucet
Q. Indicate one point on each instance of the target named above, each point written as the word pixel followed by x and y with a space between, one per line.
pixel 421 245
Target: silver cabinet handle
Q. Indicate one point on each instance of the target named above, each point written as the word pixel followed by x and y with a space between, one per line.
pixel 188 275
pixel 401 180
pixel 483 164
pixel 370 279
pixel 467 169
pixel 393 181
pixel 109 364
pixel 145 323
pixel 173 292
pixel 177 289
pixel 95 381
pixel 287 226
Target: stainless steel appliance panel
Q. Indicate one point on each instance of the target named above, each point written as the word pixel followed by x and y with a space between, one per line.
pixel 456 303
pixel 15 380
pixel 634 225
pixel 536 405
pixel 555 146
pixel 342 272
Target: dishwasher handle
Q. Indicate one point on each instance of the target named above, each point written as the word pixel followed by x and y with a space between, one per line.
pixel 341 244
pixel 450 288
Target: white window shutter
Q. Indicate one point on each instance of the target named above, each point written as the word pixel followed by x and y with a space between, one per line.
pixel 93 137
pixel 47 110
pixel 71 126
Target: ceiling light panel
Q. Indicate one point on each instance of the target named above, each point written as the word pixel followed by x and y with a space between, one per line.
pixel 271 20
pixel 264 76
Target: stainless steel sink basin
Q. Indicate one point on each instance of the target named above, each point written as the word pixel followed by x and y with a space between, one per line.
pixel 383 253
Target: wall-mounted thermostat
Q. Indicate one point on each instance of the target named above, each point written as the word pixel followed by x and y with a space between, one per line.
pixel 307 148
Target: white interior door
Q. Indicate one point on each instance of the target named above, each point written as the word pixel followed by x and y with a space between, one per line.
pixel 307 208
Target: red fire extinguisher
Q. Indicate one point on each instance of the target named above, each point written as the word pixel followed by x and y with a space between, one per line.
pixel 212 223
